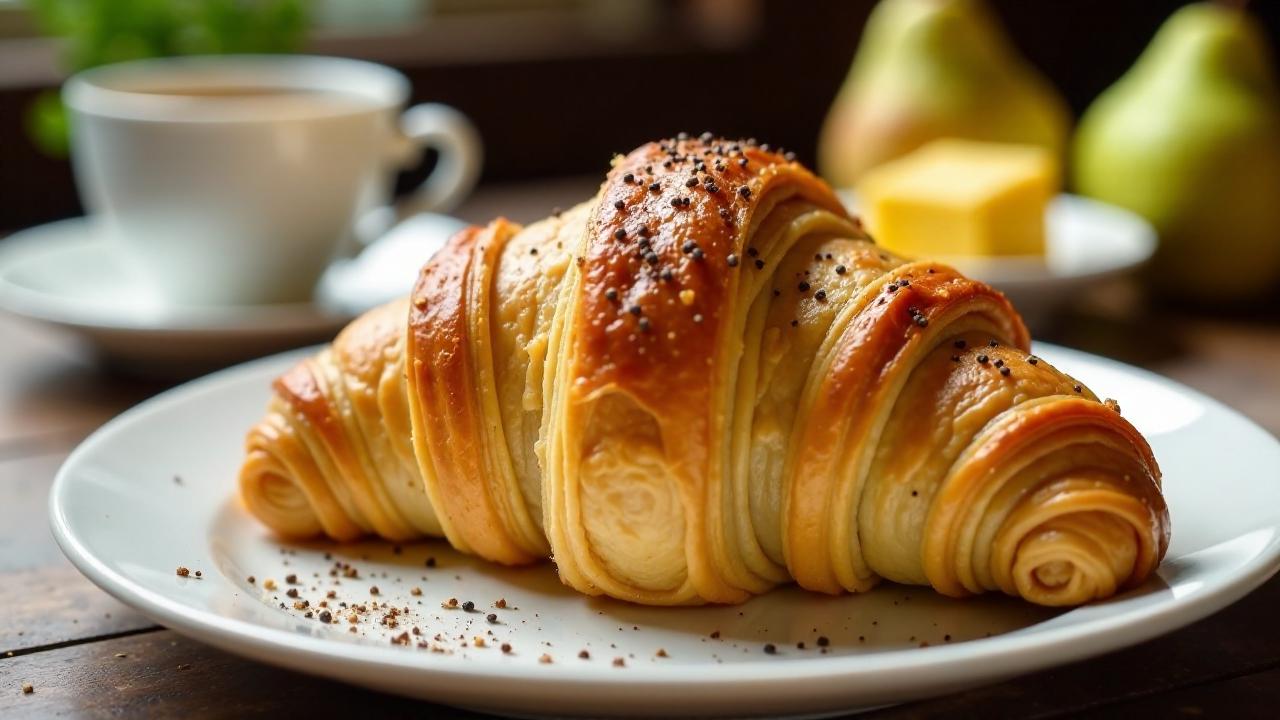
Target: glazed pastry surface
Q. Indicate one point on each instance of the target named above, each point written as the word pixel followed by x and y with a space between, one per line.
pixel 705 381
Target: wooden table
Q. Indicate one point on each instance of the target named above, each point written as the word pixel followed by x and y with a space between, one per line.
pixel 87 655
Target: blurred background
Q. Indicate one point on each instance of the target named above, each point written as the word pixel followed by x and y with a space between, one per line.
pixel 554 86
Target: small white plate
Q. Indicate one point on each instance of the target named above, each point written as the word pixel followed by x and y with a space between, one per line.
pixel 1086 242
pixel 154 489
pixel 389 266
pixel 64 275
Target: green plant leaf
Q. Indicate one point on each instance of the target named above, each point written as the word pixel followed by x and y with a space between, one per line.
pixel 46 123
pixel 100 32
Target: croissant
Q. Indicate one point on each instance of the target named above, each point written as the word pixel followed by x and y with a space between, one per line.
pixel 706 381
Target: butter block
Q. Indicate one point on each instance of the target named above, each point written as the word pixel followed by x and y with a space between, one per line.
pixel 961 197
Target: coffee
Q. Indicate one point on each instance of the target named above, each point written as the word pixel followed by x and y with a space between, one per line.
pixel 233 92
pixel 316 99
pixel 251 93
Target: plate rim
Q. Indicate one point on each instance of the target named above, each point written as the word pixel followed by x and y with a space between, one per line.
pixel 972 661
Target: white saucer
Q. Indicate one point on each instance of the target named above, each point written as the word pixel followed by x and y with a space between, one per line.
pixel 62 274
pixel 1087 241
pixel 122 518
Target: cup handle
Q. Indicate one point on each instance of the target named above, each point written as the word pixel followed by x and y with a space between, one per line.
pixel 451 134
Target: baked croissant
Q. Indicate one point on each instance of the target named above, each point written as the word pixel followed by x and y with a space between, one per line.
pixel 704 382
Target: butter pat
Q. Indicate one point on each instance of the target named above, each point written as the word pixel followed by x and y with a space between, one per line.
pixel 960 197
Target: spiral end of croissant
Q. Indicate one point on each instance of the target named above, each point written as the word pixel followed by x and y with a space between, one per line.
pixel 284 488
pixel 1060 505
pixel 274 497
pixel 1076 559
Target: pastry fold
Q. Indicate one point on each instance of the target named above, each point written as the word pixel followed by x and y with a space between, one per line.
pixel 703 382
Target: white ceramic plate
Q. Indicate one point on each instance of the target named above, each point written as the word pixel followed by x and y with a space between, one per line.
pixel 154 489
pixel 1086 242
pixel 64 274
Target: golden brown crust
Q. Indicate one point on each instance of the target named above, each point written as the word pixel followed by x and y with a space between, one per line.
pixel 445 388
pixel 662 284
pixel 322 460
pixel 364 348
pixel 303 389
pixel 663 366
pixel 905 312
pixel 1051 423
pixel 703 382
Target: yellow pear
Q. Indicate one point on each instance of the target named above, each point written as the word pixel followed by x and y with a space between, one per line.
pixel 928 69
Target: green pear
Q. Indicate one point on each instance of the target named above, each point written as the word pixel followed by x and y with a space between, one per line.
pixel 1190 139
pixel 927 69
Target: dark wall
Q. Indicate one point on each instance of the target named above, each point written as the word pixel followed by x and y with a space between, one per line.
pixel 567 116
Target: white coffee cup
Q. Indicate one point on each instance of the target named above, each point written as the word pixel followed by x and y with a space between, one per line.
pixel 238 179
